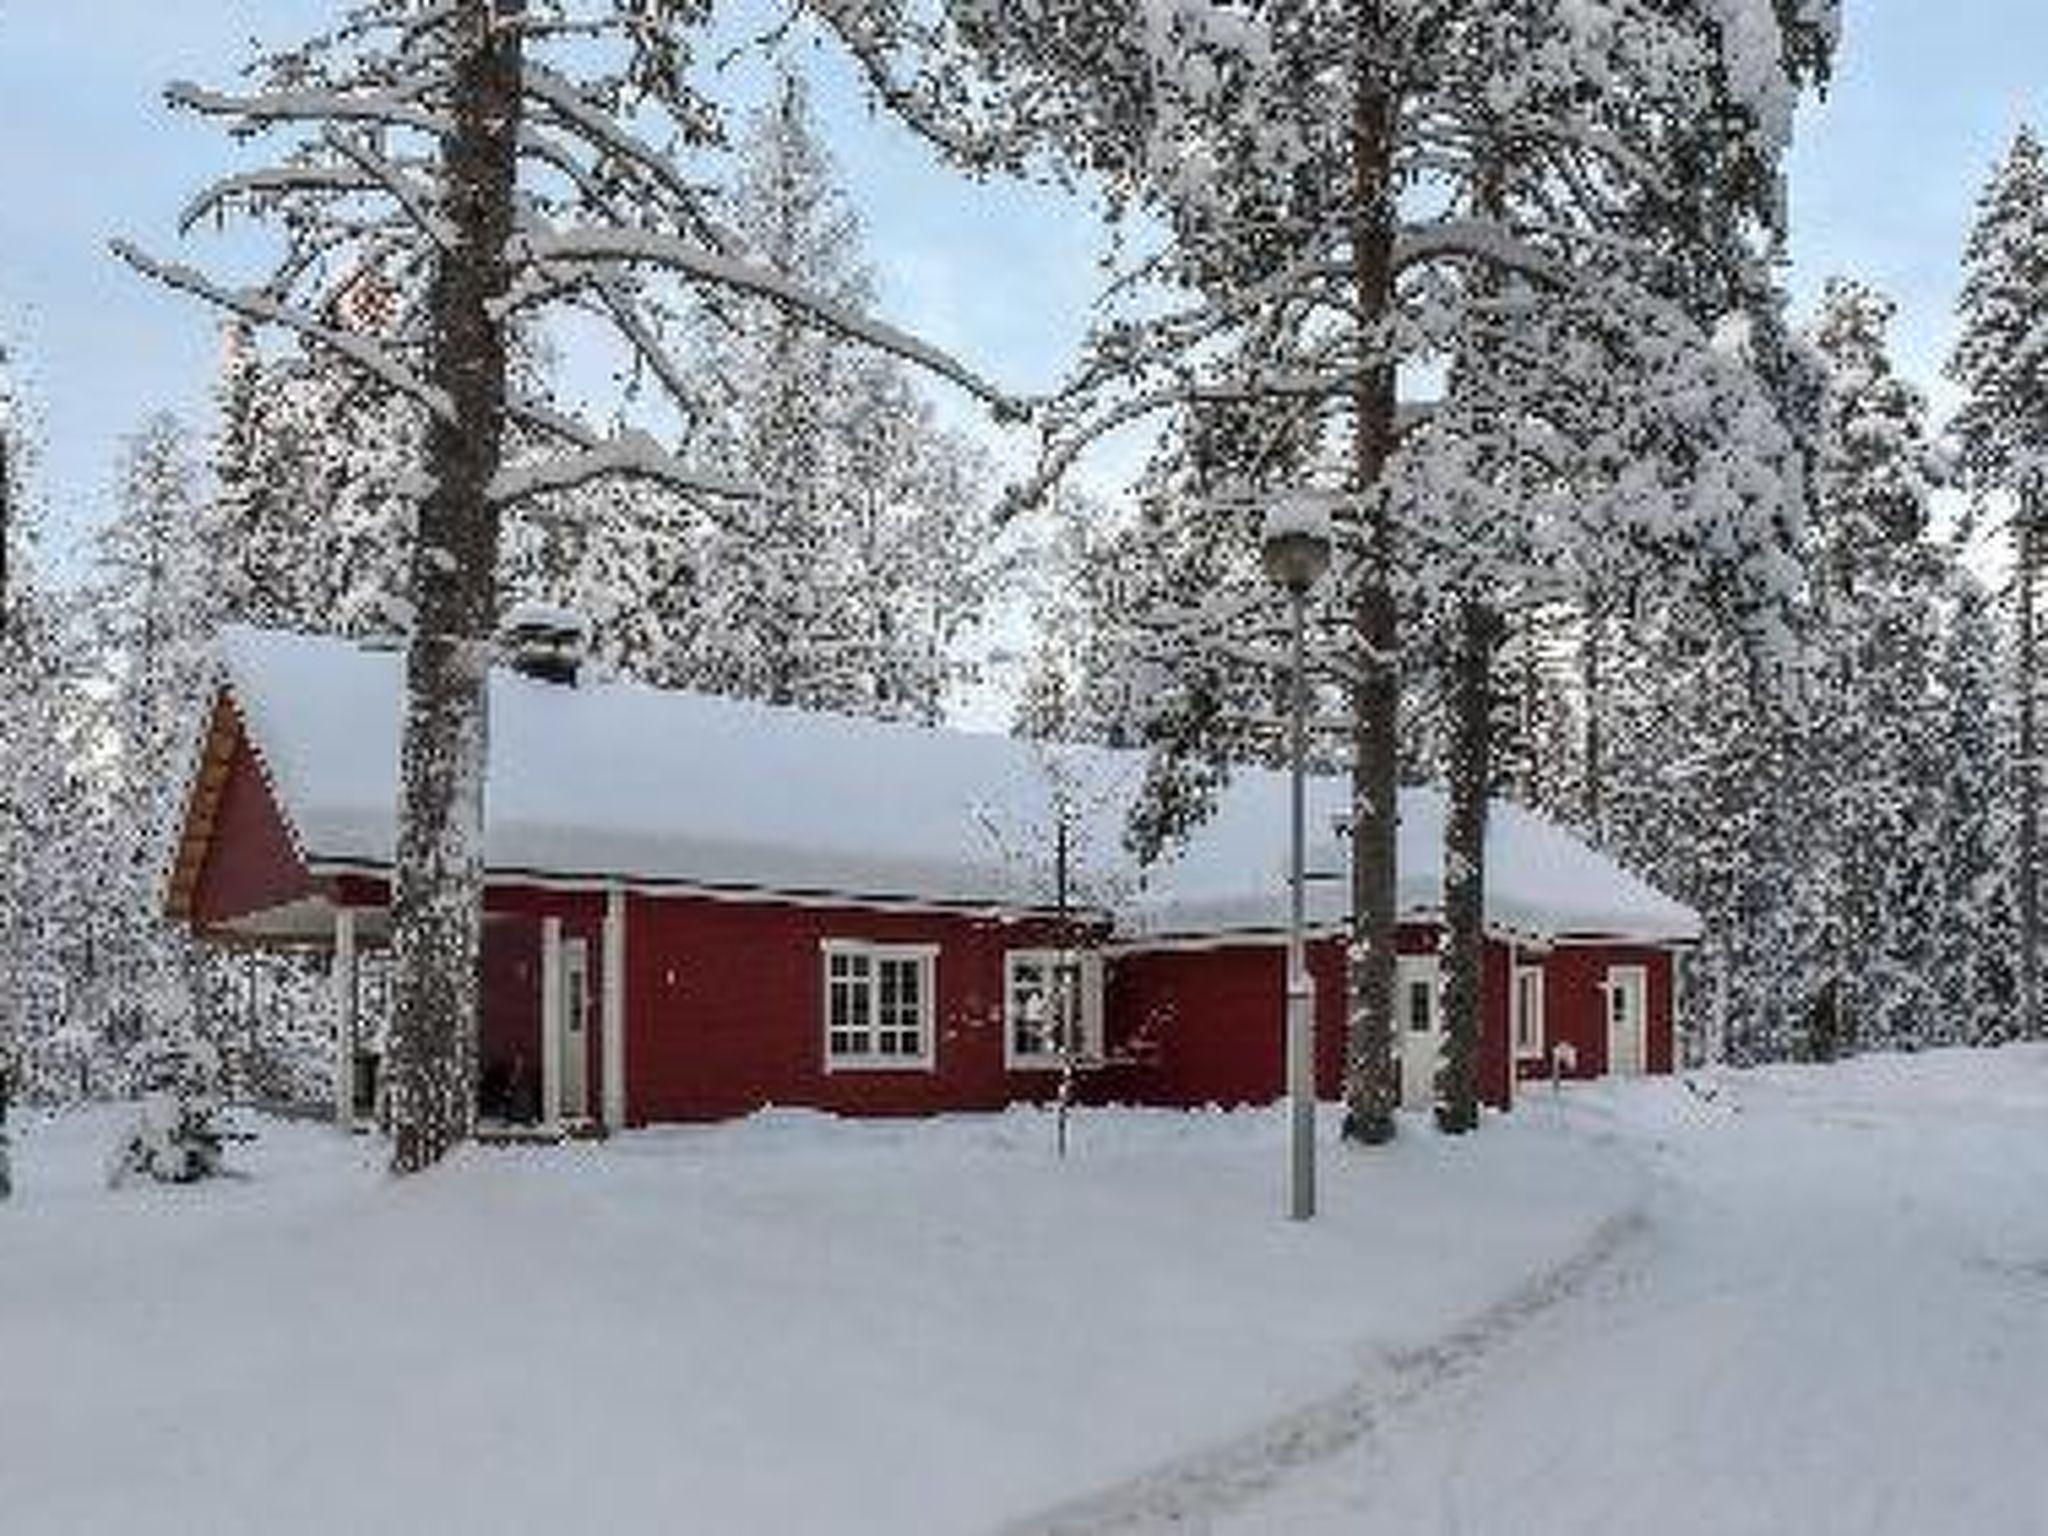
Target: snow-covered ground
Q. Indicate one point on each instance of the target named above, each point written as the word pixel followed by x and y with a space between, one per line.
pixel 787 1325
pixel 1835 1321
pixel 1816 1302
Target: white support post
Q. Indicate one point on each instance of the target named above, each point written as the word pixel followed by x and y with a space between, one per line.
pixel 613 1020
pixel 343 979
pixel 551 1022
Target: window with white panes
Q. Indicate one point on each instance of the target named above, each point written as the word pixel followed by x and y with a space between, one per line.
pixel 1050 998
pixel 878 1004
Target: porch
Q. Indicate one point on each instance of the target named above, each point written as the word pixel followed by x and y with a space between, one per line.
pixel 550 1057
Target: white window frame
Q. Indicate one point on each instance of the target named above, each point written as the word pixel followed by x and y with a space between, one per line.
pixel 1409 972
pixel 1533 1048
pixel 1088 965
pixel 925 958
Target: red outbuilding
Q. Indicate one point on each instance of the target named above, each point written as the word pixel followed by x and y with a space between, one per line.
pixel 698 906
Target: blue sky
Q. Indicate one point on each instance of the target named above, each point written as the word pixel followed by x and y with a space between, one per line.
pixel 1883 180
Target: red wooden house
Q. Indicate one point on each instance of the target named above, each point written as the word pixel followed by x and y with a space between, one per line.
pixel 697 906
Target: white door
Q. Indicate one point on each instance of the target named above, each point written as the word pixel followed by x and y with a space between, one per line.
pixel 1628 1014
pixel 1418 1014
pixel 575 1029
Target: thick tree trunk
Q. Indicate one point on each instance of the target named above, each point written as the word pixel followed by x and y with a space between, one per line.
pixel 1371 1088
pixel 1593 658
pixel 1529 716
pixel 2029 787
pixel 6 1092
pixel 437 902
pixel 6 527
pixel 1457 1108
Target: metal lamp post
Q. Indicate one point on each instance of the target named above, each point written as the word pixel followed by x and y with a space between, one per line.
pixel 1296 551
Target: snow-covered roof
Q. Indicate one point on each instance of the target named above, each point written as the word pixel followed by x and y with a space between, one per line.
pixel 1541 880
pixel 620 781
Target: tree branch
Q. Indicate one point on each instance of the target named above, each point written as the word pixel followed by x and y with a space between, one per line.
pixel 267 108
pixel 630 455
pixel 668 252
pixel 265 310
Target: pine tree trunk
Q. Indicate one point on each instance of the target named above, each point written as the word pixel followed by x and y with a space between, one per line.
pixel 1593 659
pixel 2029 776
pixel 1371 1088
pixel 1854 955
pixel 6 1093
pixel 6 527
pixel 1457 1107
pixel 1530 716
pixel 437 903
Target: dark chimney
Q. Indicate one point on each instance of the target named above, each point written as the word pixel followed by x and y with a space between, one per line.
pixel 545 643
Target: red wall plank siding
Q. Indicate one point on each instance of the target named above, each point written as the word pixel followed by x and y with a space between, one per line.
pixel 508 1044
pixel 1213 1016
pixel 725 1008
pixel 250 863
pixel 1216 1018
pixel 1496 1050
pixel 1575 1007
pixel 725 1004
pixel 1208 1022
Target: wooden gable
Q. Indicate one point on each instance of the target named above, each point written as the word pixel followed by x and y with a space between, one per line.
pixel 236 853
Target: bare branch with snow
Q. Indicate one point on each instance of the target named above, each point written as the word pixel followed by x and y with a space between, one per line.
pixel 265 310
pixel 649 248
pixel 630 455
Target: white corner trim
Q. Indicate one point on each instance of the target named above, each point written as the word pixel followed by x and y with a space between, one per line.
pixel 551 1022
pixel 612 1018
pixel 1536 1051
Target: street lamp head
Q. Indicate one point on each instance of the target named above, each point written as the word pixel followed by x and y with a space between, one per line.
pixel 1295 544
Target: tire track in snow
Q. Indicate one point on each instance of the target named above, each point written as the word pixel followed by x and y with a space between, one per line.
pixel 1223 1477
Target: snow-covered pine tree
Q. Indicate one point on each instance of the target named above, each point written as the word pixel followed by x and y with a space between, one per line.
pixel 2001 364
pixel 1974 971
pixel 1696 772
pixel 1543 719
pixel 851 580
pixel 482 164
pixel 625 554
pixel 1877 591
pixel 27 766
pixel 312 465
pixel 1564 460
pixel 151 606
pixel 56 847
pixel 1076 683
pixel 1806 823
pixel 154 596
pixel 1300 164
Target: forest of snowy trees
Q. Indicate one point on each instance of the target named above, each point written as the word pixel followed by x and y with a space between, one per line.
pixel 1622 534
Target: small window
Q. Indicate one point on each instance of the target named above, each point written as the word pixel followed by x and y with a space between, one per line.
pixel 1624 995
pixel 1049 999
pixel 1421 1006
pixel 1528 1011
pixel 878 1005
